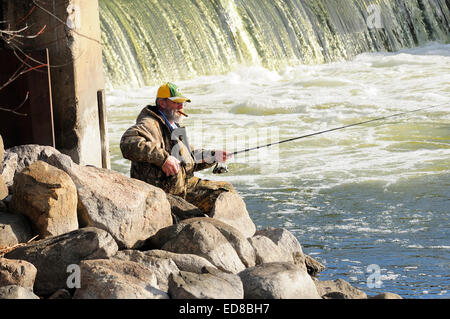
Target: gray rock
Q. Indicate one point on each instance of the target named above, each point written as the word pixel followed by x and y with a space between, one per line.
pixel 213 284
pixel 230 208
pixel 14 229
pixel 237 240
pixel 283 238
pixel 266 251
pixel 61 294
pixel 16 292
pixel 203 239
pixel 278 280
pixel 48 197
pixel 313 266
pixel 117 279
pixel 129 209
pixel 4 192
pixel 287 242
pixel 386 295
pixel 17 273
pixel 164 235
pixel 19 157
pixel 345 290
pixel 184 262
pixel 300 260
pixel 161 267
pixel 9 167
pixel 335 295
pixel 52 256
pixel 182 209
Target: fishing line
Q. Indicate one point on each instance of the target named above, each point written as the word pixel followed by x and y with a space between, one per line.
pixel 222 168
pixel 335 129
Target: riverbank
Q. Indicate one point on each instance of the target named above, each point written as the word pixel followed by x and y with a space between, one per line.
pixel 103 235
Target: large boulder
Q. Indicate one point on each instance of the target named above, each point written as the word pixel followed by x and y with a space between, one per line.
pixel 19 157
pixel 8 168
pixel 313 266
pixel 182 209
pixel 3 189
pixel 278 280
pixel 235 237
pixel 203 239
pixel 164 235
pixel 61 294
pixel 184 262
pixel 48 197
pixel 14 229
pixel 129 209
pixel 283 238
pixel 237 240
pixel 117 279
pixel 338 289
pixel 53 255
pixel 161 267
pixel 17 272
pixel 212 284
pixel 230 208
pixel 266 251
pixel 386 295
pixel 16 292
pixel 286 242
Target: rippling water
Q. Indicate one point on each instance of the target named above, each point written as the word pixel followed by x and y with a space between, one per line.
pixel 374 194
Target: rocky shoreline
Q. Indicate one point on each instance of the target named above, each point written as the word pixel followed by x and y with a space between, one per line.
pixel 80 232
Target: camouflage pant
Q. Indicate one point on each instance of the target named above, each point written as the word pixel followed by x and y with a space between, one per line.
pixel 203 193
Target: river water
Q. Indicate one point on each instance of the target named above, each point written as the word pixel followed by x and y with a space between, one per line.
pixel 370 202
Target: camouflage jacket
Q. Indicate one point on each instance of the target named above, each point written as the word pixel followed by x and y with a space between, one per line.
pixel 149 143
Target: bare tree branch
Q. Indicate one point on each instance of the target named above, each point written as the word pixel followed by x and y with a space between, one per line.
pixel 12 39
pixel 17 74
pixel 17 107
pixel 63 22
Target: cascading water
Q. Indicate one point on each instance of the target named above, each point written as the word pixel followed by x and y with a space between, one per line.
pixel 146 42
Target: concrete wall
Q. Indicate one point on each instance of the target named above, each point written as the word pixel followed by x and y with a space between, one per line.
pixel 72 35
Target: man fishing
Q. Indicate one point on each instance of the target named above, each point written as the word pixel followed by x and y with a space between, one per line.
pixel 160 154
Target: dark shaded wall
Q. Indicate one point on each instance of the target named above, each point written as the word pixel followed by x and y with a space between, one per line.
pixel 71 33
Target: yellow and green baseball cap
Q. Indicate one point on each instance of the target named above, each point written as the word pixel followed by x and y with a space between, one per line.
pixel 170 91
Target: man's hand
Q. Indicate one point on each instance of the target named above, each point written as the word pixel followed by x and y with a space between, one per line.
pixel 221 156
pixel 171 166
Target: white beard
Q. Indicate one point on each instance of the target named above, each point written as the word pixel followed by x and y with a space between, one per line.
pixel 173 116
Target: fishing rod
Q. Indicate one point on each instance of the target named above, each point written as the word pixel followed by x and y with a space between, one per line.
pixel 223 169
pixel 334 129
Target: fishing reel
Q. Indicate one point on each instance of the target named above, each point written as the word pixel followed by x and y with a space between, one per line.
pixel 220 168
